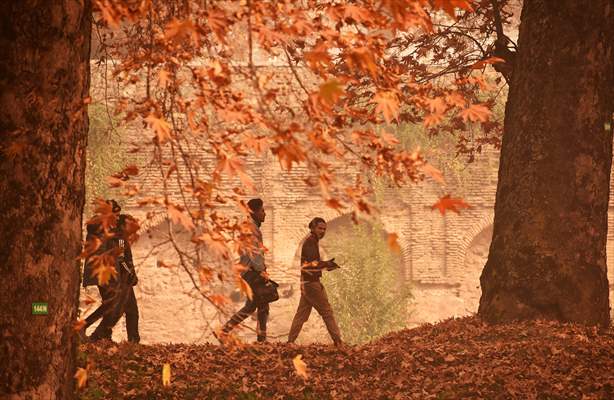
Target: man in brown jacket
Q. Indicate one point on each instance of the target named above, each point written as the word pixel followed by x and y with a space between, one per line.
pixel 312 290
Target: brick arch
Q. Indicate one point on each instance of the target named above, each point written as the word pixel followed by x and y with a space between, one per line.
pixel 404 244
pixel 475 255
pixel 152 223
pixel 473 231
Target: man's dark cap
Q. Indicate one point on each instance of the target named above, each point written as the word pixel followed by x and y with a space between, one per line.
pixel 255 204
pixel 114 206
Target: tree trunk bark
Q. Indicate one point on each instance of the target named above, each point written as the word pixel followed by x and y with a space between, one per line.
pixel 44 79
pixel 548 253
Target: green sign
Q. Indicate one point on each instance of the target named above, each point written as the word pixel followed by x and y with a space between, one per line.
pixel 39 308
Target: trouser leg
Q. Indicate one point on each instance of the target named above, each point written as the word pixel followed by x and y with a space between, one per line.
pixel 132 317
pixel 319 300
pixel 117 301
pixel 99 312
pixel 239 316
pixel 111 312
pixel 263 316
pixel 301 316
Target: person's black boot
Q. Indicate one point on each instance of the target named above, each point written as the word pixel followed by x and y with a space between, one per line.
pixel 134 338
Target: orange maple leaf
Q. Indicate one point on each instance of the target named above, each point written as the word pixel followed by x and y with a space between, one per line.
pixel 486 61
pixel 219 299
pixel 177 29
pixel 393 243
pixel 475 112
pixel 389 138
pixel 449 203
pixel 218 23
pixel 330 92
pixel 109 14
pixel 245 288
pixel 289 153
pixel 363 59
pixel 79 325
pixel 358 14
pixel 164 264
pixel 334 203
pixel 166 374
pixel 179 217
pixel 436 105
pixel 388 104
pixel 114 182
pixel 456 99
pixel 91 245
pixel 81 377
pixel 432 120
pixel 131 170
pixel 104 272
pixel 299 366
pixel 160 126
pixel 433 172
pixel 217 246
pixel 205 274
pixel 163 77
pixel 317 57
pixel 257 144
pixel 449 5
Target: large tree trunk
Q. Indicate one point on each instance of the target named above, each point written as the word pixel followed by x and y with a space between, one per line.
pixel 548 253
pixel 44 79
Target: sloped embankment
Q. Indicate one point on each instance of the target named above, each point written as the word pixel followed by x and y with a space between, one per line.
pixel 455 359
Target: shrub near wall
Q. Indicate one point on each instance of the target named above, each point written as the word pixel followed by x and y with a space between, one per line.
pixel 105 154
pixel 368 293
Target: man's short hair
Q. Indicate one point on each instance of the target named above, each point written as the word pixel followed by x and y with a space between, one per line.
pixel 255 204
pixel 114 206
pixel 314 222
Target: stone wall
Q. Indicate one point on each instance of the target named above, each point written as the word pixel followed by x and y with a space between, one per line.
pixel 442 255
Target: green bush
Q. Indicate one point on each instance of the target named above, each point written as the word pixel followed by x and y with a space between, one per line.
pixel 104 154
pixel 368 293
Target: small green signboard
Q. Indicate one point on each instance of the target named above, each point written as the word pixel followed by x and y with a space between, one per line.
pixel 39 308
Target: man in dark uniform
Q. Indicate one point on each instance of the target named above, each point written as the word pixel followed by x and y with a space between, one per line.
pixel 118 294
pixel 313 294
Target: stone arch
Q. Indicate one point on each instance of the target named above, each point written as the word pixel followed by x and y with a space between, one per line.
pixel 301 234
pixel 152 223
pixel 475 258
pixel 342 221
pixel 474 230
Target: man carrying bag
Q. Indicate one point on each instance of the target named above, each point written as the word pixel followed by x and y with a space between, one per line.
pixel 264 290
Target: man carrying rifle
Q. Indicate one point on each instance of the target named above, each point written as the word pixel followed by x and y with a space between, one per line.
pixel 117 295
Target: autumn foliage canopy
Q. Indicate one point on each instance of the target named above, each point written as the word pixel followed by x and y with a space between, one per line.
pixel 338 77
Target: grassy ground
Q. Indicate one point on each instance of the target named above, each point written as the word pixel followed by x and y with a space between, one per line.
pixel 455 359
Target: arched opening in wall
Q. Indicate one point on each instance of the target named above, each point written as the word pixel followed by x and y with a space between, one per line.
pixel 475 259
pixel 171 307
pixel 368 293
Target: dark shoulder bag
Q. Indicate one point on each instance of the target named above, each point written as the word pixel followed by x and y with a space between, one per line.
pixel 267 292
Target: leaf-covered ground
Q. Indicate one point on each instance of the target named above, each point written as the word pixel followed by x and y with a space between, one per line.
pixel 455 359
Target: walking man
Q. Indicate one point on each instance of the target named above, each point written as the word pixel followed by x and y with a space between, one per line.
pixel 313 294
pixel 118 294
pixel 253 259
